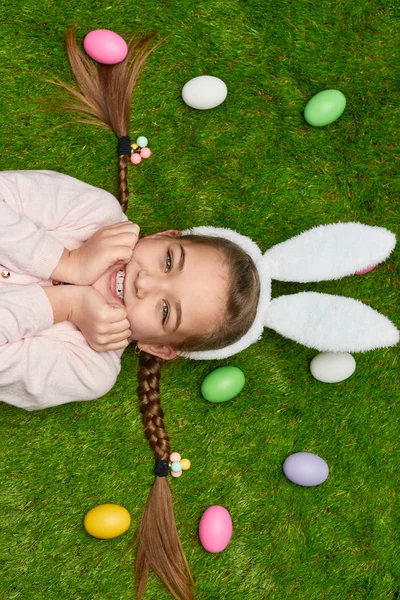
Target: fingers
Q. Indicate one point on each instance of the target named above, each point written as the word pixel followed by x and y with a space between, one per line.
pixel 126 225
pixel 112 346
pixel 127 231
pixel 121 254
pixel 115 313
pixel 117 331
pixel 112 331
pixel 115 338
pixel 115 325
pixel 124 238
pixel 120 240
pixel 119 340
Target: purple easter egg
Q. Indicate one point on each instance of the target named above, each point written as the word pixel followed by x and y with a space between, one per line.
pixel 305 468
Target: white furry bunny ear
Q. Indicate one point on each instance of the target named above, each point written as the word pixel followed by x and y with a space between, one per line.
pixel 330 323
pixel 329 252
pixel 327 322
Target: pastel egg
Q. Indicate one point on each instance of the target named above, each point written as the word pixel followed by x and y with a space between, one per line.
pixel 204 92
pixel 324 108
pixel 306 469
pixel 222 384
pixel 215 529
pixel 105 46
pixel 332 367
pixel 107 521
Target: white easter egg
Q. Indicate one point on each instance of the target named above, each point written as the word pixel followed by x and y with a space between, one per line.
pixel 204 92
pixel 332 367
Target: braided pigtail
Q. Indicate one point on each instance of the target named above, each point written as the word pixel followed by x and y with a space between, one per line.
pixel 159 547
pixel 105 95
pixel 123 191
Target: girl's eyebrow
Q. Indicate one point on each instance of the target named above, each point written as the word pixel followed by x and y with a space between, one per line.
pixel 178 306
pixel 178 310
pixel 182 257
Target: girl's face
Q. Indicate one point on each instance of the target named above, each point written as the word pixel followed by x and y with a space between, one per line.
pixel 171 289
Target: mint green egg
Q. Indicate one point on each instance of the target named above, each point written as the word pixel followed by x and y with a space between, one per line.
pixel 324 108
pixel 222 384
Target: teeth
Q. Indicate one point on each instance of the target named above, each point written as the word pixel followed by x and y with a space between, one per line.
pixel 119 288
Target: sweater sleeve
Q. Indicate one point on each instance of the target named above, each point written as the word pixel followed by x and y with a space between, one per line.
pixel 41 212
pixel 48 370
pixel 24 311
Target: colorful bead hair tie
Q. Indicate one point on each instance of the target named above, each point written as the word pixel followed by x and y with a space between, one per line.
pixel 176 463
pixel 139 150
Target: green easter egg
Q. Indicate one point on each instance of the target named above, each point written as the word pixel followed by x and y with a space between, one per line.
pixel 222 384
pixel 324 108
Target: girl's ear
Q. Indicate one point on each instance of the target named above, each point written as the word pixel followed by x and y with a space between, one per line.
pixel 160 350
pixel 170 233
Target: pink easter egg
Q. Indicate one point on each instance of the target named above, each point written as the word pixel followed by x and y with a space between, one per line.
pixel 215 529
pixel 105 46
pixel 365 270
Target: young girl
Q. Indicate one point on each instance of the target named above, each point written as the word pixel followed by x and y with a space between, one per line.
pixel 62 343
pixel 172 293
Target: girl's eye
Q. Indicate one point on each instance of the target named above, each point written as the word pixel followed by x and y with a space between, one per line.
pixel 168 262
pixel 164 311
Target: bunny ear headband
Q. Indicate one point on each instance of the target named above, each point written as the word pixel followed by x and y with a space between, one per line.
pixel 325 322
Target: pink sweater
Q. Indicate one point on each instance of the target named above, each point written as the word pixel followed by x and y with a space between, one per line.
pixel 42 364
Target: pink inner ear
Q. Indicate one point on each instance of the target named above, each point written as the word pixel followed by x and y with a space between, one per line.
pixel 365 270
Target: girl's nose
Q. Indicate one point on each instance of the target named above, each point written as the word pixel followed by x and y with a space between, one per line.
pixel 146 284
pixel 142 284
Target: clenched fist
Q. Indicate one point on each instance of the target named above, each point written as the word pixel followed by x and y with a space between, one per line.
pixel 104 326
pixel 109 245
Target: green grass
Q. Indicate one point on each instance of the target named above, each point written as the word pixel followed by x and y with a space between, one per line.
pixel 255 165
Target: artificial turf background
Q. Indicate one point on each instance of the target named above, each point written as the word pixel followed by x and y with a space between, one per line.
pixel 255 165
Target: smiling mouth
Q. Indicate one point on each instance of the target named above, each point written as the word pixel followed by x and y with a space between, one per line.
pixel 119 284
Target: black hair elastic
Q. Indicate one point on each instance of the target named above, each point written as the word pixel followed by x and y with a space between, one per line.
pixel 161 468
pixel 124 146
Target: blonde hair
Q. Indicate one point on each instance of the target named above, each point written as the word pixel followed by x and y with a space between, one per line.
pixel 105 93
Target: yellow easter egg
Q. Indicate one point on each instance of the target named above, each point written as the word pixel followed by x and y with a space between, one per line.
pixel 107 521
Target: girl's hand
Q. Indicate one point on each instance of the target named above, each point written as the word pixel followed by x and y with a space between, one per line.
pixel 109 245
pixel 104 326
